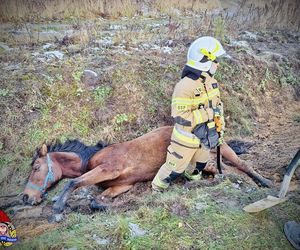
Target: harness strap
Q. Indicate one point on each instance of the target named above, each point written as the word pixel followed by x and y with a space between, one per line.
pixel 49 178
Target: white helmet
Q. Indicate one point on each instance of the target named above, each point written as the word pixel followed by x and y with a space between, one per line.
pixel 203 52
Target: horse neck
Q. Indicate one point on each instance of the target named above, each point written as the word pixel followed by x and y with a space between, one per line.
pixel 69 163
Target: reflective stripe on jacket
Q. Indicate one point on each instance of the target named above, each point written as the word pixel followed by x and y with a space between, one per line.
pixel 195 102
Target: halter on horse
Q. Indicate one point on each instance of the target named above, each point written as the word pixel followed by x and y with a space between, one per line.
pixel 48 180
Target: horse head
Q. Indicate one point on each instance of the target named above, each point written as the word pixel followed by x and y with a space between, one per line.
pixel 43 175
pixel 54 162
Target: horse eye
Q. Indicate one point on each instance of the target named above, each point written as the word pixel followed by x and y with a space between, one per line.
pixel 36 167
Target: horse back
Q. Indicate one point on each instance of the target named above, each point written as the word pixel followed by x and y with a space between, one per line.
pixel 136 160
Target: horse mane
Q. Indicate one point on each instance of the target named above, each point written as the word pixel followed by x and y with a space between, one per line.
pixel 75 146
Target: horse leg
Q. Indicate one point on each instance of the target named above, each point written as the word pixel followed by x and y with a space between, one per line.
pixel 115 191
pixel 92 177
pixel 110 192
pixel 241 165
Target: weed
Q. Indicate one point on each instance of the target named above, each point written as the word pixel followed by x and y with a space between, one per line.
pixel 4 92
pixel 239 116
pixel 121 118
pixel 122 232
pixel 287 76
pixel 297 119
pixel 263 82
pixel 100 94
pixel 220 28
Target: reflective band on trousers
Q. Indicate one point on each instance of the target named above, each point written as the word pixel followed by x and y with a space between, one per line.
pixel 185 136
pixel 211 124
pixel 160 183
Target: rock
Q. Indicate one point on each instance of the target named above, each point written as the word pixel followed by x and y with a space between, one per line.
pixel 4 47
pixel 136 230
pixel 240 44
pixel 105 42
pixel 167 50
pixel 47 45
pixel 201 206
pixel 100 241
pixel 54 54
pixel 236 185
pixel 55 218
pixel 115 27
pixel 90 79
pixel 12 67
pixel 250 190
pixel 248 36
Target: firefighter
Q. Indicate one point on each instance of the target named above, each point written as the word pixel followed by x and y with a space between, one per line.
pixel 197 111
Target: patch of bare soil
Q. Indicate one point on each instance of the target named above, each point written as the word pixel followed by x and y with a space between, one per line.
pixel 276 143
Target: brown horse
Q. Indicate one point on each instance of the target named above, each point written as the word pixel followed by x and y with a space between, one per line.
pixel 116 167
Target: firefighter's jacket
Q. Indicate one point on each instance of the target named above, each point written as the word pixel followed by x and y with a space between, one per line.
pixel 195 102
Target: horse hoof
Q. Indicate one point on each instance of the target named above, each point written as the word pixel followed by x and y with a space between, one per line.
pixel 94 206
pixel 267 183
pixel 55 218
pixel 57 209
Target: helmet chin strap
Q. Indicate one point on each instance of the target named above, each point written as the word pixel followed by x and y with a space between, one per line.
pixel 48 180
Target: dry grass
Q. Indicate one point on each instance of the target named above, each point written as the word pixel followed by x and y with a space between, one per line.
pixel 257 13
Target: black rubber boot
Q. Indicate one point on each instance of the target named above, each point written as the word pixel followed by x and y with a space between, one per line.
pixel 292 233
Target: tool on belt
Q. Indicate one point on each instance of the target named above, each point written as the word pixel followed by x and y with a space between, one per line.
pixel 218 122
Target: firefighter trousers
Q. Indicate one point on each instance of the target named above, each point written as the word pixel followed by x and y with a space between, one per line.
pixel 179 158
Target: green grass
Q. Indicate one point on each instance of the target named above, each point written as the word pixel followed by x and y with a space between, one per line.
pixel 220 224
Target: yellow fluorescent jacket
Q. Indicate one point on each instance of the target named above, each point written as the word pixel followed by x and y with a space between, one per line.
pixel 189 95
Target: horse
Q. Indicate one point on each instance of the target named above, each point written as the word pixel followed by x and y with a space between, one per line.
pixel 116 167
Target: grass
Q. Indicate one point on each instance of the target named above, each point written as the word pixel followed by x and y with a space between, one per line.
pixel 217 225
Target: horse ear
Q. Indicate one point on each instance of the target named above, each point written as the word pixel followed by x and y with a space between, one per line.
pixel 43 150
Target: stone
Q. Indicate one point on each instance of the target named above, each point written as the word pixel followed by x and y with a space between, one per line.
pixel 201 206
pixel 167 50
pixel 47 45
pixel 12 67
pixel 54 54
pixel 247 35
pixel 100 241
pixel 55 218
pixel 240 44
pixel 90 79
pixel 136 230
pixel 4 47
